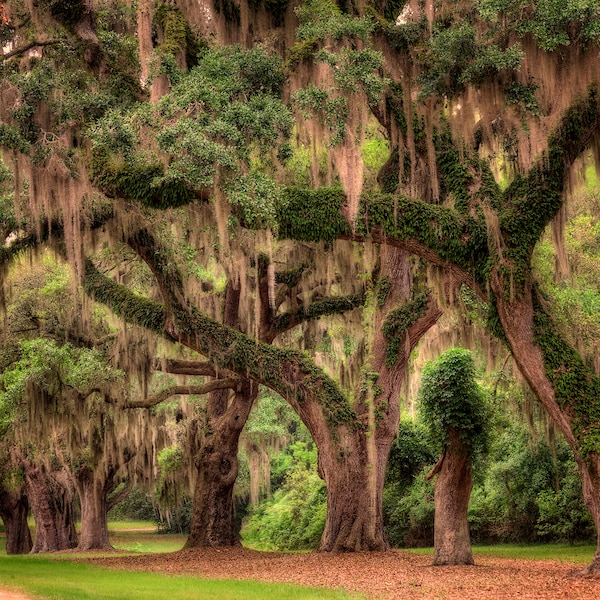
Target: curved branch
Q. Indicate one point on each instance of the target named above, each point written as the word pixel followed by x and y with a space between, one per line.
pixel 288 372
pixel 183 390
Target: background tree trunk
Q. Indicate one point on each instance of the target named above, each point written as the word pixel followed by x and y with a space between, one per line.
pixel 52 506
pixel 14 509
pixel 452 541
pixel 92 488
pixel 213 515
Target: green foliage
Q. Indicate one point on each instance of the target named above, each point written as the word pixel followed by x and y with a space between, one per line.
pixel 450 399
pixel 311 215
pixel 295 516
pixel 576 386
pixel 353 68
pixel 136 506
pixel 552 23
pixel 322 19
pixel 456 57
pixel 525 482
pixel 521 94
pixel 410 514
pixel 396 325
pixel 331 110
pixel 67 12
pixel 223 118
pixel 52 369
pixel 173 27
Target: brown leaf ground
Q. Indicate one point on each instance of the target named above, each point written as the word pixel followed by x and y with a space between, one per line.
pixel 391 575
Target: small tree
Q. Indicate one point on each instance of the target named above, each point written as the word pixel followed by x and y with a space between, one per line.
pixel 453 406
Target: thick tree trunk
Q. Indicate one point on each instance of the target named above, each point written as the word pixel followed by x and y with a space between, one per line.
pixel 590 476
pixel 14 508
pixel 517 318
pixel 92 488
pixel 452 541
pixel 213 515
pixel 354 519
pixel 52 506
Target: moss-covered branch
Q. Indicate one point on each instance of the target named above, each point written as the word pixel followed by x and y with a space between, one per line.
pixel 439 234
pixel 576 387
pixel 290 373
pixel 532 201
pixel 185 367
pixel 335 305
pixel 135 309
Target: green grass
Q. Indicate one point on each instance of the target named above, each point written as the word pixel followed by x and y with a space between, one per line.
pixel 63 579
pixel 581 553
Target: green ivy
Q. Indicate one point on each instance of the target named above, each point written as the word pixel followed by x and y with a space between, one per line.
pixel 396 326
pixel 451 399
pixel 576 387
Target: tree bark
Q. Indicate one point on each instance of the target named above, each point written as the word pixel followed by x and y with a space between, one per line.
pixel 51 497
pixel 93 488
pixel 452 541
pixel 213 514
pixel 14 508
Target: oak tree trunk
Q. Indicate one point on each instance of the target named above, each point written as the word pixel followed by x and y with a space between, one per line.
pixel 14 508
pixel 452 541
pixel 590 476
pixel 213 516
pixel 92 488
pixel 354 519
pixel 52 506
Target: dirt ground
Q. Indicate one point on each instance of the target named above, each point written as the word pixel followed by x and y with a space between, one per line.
pixel 384 576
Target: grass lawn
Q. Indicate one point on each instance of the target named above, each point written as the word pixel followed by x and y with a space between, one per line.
pixel 59 577
pixel 62 579
pixel 582 553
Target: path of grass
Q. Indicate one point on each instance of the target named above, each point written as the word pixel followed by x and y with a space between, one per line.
pixel 68 580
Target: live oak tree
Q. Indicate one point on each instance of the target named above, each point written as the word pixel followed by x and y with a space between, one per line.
pixel 453 406
pixel 487 106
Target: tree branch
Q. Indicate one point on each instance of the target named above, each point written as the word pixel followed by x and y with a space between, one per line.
pixel 114 500
pixel 181 390
pixel 438 466
pixel 185 367
pixel 28 46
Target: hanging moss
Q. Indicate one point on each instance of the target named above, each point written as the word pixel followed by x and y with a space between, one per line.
pixel 531 202
pixel 397 324
pixel 275 8
pixel 229 9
